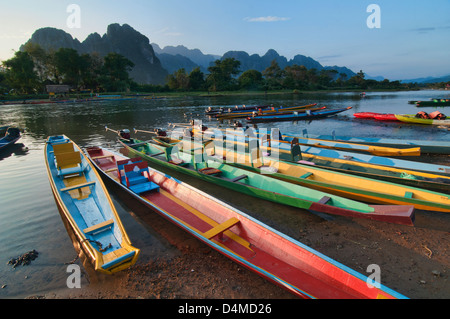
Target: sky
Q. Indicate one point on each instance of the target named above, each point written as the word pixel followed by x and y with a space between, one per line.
pixel 398 39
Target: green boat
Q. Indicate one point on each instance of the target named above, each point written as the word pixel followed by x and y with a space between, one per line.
pixel 263 186
pixel 434 102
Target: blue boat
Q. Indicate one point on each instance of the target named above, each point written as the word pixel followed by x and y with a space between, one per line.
pixel 351 157
pixel 12 135
pixel 86 207
pixel 294 116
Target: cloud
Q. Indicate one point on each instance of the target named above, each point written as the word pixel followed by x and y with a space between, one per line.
pixel 267 19
pixel 169 32
pixel 430 29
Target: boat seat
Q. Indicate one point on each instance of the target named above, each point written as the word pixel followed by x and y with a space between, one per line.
pixel 103 157
pixel 71 188
pixel 137 178
pixel 172 156
pixel 63 148
pixel 237 179
pixel 409 195
pixel 120 164
pixel 210 171
pixel 99 227
pixel 309 174
pixel 69 163
pixel 220 229
pixel 324 200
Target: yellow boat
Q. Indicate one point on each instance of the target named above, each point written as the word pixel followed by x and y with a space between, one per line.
pixel 340 184
pixel 86 207
pixel 336 145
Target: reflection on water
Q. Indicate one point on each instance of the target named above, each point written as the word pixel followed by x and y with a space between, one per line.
pixel 29 218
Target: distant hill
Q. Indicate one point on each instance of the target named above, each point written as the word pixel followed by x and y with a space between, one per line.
pixel 153 63
pixel 428 80
pixel 173 58
pixel 260 63
pixel 119 39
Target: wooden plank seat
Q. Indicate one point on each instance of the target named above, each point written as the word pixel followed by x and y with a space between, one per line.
pixel 172 156
pixel 221 228
pixel 103 157
pixel 306 175
pixel 69 163
pixel 99 227
pixel 210 171
pixel 137 178
pixel 71 188
pixel 63 148
pixel 237 179
pixel 324 200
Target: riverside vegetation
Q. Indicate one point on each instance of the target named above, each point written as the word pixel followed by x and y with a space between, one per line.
pixel 32 68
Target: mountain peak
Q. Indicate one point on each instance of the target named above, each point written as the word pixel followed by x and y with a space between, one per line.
pixel 121 39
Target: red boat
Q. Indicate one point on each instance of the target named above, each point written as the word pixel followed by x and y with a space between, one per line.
pixel 365 115
pixel 245 240
pixel 386 117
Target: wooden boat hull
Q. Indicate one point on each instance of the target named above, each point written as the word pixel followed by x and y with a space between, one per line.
pixel 436 103
pixel 386 117
pixel 349 186
pixel 361 148
pixel 86 207
pixel 242 114
pixel 12 135
pixel 410 118
pixel 248 242
pixel 270 189
pixel 365 115
pixel 429 147
pixel 293 117
pixel 409 173
pixel 375 116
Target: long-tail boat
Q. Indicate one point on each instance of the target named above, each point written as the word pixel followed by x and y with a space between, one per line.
pixel 295 116
pixel 272 111
pixel 336 145
pixel 432 177
pixel 282 260
pixel 426 146
pixel 265 187
pixel 86 207
pixel 353 147
pixel 12 135
pixel 345 185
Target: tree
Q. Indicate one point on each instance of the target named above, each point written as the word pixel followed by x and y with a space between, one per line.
pixel 250 79
pixel 115 70
pixel 179 80
pixel 196 79
pixel 69 66
pixel 20 74
pixel 221 74
pixel 273 75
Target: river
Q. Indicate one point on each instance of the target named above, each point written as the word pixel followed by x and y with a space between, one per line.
pixel 29 218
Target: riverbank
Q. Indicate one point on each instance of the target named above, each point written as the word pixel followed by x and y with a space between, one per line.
pixel 43 98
